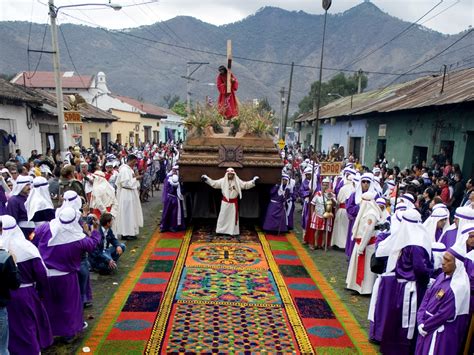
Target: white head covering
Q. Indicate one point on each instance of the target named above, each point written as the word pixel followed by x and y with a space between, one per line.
pixel 465 215
pixel 460 279
pixel 376 170
pixel 358 191
pixel 408 199
pixel 70 199
pixel 39 198
pixel 103 194
pixel 367 206
pixel 438 249
pixel 432 221
pixel 14 240
pixel 45 169
pixel 226 182
pixel 20 183
pixel 384 248
pixel 65 228
pixel 410 232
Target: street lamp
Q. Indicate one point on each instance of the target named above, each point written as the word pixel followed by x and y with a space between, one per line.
pixel 326 6
pixel 53 13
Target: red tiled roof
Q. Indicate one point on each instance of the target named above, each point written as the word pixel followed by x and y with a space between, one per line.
pixel 45 79
pixel 146 107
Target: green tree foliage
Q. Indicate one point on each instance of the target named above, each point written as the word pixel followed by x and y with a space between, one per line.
pixel 170 100
pixel 180 108
pixel 264 106
pixel 338 85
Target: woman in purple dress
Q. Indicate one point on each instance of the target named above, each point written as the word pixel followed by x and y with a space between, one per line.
pixel 276 217
pixel 29 326
pixel 62 244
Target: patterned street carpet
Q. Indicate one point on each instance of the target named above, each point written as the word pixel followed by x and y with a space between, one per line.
pixel 196 292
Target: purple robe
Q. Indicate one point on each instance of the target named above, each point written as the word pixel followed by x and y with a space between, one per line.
pixel 339 185
pixel 387 287
pixel 291 198
pixel 16 208
pixel 3 202
pixel 449 238
pixel 352 209
pixel 469 265
pixel 30 330
pixel 275 218
pixel 169 218
pixel 63 302
pixel 304 193
pixel 413 264
pixel 436 311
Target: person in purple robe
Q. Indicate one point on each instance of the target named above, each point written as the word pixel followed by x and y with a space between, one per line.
pixel 276 216
pixel 166 186
pixel 39 206
pixel 29 326
pixel 16 204
pixel 305 195
pixel 62 246
pixel 366 184
pixel 445 307
pixel 172 218
pixel 290 203
pixel 410 260
pixel 4 189
pixel 462 216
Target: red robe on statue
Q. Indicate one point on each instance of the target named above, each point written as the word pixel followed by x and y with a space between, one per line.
pixel 227 103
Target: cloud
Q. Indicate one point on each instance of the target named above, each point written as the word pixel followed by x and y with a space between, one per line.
pixel 219 12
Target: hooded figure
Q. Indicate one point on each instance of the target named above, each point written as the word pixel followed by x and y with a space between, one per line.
pixel 437 224
pixel 173 217
pixel 62 249
pixel 360 278
pixel 231 187
pixel 341 221
pixel 39 206
pixel 410 259
pixel 444 312
pixel 462 216
pixel 276 218
pixel 29 326
pixel 103 195
pixel 16 204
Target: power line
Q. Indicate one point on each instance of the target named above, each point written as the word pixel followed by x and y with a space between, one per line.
pixel 393 38
pixel 41 52
pixel 431 58
pixel 70 56
pixel 442 11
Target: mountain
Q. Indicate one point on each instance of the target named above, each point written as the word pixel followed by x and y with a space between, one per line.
pixel 137 65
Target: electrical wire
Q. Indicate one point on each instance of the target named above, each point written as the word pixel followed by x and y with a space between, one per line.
pixel 70 56
pixel 40 54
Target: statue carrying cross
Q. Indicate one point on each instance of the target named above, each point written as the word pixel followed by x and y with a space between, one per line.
pixel 227 85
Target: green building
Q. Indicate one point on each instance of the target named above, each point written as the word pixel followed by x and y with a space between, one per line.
pixel 409 123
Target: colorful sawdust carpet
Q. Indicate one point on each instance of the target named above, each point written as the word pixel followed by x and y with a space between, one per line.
pixel 196 292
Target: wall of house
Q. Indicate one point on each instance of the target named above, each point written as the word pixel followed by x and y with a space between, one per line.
pixel 128 125
pixel 405 130
pixel 94 130
pixel 175 123
pixel 154 125
pixel 341 132
pixel 13 121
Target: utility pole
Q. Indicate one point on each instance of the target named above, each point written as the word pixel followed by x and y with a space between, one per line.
pixel 189 78
pixel 326 6
pixel 282 106
pixel 285 122
pixel 63 136
pixel 359 86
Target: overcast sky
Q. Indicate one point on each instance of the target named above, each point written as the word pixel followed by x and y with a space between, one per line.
pixel 457 18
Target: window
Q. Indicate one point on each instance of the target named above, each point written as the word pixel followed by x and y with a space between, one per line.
pixel 419 154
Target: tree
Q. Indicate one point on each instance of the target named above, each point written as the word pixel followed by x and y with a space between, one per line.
pixel 338 85
pixel 179 108
pixel 170 100
pixel 264 106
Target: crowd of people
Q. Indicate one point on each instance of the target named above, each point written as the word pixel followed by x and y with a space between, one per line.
pixel 62 218
pixel 408 236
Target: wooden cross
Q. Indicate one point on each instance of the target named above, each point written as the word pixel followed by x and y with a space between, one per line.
pixel 229 66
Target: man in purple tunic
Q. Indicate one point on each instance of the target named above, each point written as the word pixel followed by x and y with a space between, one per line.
pixel 462 216
pixel 174 171
pixel 16 204
pixel 305 195
pixel 62 243
pixel 276 217
pixel 30 330
pixel 445 307
pixel 172 218
pixel 352 206
pixel 410 259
